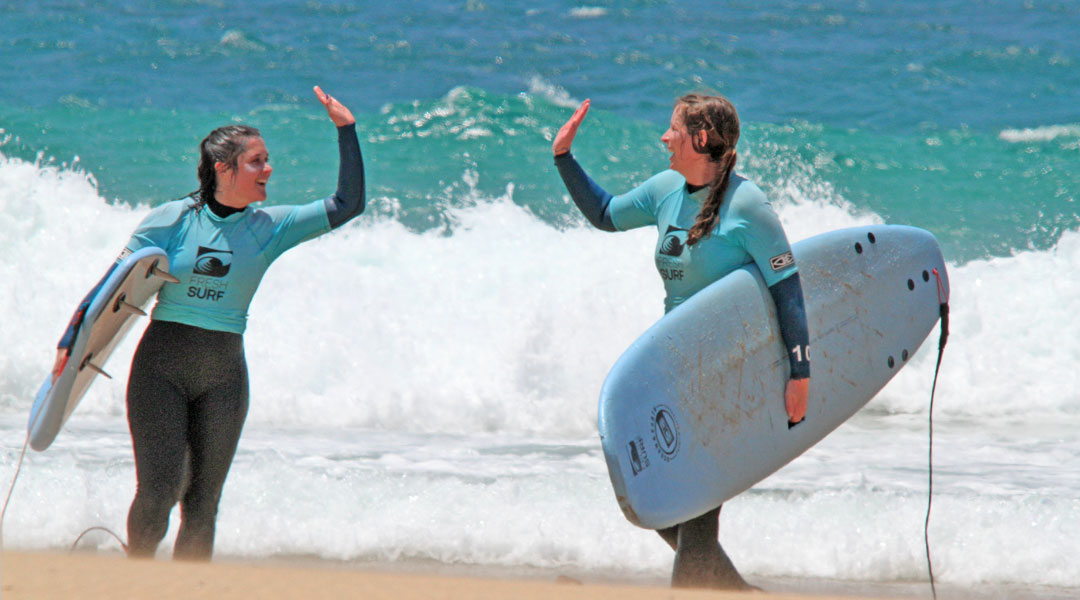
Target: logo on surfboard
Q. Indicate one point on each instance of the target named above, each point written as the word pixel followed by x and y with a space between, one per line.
pixel 665 432
pixel 212 263
pixel 639 460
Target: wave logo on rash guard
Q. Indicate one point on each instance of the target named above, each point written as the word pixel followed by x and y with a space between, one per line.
pixel 674 242
pixel 212 263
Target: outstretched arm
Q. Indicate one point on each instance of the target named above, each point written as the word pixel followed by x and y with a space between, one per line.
pixel 349 199
pixel 589 197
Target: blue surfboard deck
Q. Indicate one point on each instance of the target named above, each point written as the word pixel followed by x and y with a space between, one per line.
pixel 111 313
pixel 693 413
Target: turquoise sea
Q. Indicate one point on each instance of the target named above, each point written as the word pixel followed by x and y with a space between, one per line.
pixel 424 381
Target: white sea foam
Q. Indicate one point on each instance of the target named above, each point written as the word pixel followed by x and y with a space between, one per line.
pixel 238 40
pixel 588 12
pixel 508 323
pixel 432 396
pixel 538 86
pixel 1039 134
pixel 57 237
pixel 1012 341
pixel 851 508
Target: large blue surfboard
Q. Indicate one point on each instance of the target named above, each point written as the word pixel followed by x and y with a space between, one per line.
pixel 693 413
pixel 111 313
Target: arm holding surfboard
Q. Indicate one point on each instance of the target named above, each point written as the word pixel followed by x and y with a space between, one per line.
pixel 188 386
pixel 712 222
pixel 595 204
pixel 347 202
pixel 63 348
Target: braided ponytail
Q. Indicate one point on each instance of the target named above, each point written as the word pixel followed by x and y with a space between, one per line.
pixel 717 117
pixel 225 145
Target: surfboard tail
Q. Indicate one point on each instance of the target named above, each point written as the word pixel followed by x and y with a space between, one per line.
pixel 617 483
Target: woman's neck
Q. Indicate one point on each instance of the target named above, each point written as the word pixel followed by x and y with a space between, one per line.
pixel 701 174
pixel 220 209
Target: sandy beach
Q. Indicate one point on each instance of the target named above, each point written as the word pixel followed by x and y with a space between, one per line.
pixel 45 576
pixel 60 575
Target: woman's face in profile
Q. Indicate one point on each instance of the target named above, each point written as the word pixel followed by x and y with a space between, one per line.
pixel 679 144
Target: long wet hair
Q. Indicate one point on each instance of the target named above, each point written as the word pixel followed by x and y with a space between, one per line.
pixel 717 117
pixel 225 145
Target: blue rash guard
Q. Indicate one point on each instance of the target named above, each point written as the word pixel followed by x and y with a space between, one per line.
pixel 188 392
pixel 747 231
pixel 220 254
pixel 221 260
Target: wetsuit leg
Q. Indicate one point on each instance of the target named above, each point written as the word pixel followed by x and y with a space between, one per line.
pixel 157 417
pixel 187 401
pixel 700 561
pixel 215 422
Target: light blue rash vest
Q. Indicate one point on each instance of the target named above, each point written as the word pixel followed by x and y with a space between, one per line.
pixel 748 231
pixel 221 260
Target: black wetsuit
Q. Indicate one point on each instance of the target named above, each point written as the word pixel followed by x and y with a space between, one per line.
pixel 187 394
pixel 187 398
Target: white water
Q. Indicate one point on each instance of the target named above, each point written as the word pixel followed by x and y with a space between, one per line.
pixel 433 397
pixel 1039 134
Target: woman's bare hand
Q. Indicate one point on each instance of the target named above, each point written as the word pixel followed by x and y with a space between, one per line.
pixel 566 134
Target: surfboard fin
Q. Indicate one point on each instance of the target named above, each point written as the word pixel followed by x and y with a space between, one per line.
pixel 122 304
pixel 167 276
pixel 97 369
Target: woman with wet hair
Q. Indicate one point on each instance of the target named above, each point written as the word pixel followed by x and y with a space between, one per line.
pixel 711 222
pixel 187 395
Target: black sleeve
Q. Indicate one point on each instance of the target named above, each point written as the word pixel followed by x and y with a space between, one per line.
pixel 349 199
pixel 589 197
pixel 791 312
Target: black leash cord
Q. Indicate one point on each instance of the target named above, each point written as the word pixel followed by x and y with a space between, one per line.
pixel 943 310
pixel 98 528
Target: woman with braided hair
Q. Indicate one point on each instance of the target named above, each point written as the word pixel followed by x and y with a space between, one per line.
pixel 187 395
pixel 711 221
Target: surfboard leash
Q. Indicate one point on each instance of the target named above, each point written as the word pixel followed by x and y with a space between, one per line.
pixel 943 312
pixel 3 513
pixel 99 528
pixel 18 468
pixel 7 500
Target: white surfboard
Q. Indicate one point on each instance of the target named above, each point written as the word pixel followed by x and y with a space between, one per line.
pixel 693 412
pixel 111 313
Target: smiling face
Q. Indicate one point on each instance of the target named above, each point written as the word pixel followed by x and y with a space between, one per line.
pixel 244 183
pixel 684 158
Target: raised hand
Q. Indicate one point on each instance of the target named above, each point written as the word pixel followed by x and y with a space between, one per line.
pixel 566 134
pixel 337 111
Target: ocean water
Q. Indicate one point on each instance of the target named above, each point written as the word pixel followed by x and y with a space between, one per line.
pixel 424 380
